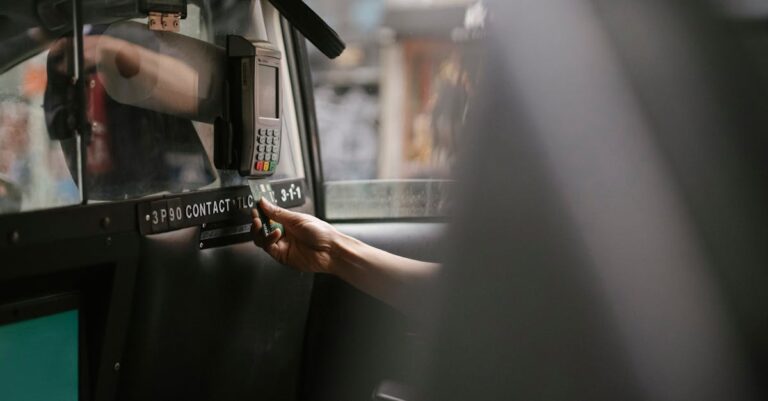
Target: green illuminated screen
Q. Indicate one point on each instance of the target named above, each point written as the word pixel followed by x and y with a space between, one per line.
pixel 38 359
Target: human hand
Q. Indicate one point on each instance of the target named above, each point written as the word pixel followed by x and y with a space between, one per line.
pixel 95 48
pixel 306 245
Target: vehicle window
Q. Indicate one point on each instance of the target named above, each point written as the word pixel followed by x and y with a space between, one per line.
pixel 392 107
pixel 153 97
pixel 150 102
pixel 33 171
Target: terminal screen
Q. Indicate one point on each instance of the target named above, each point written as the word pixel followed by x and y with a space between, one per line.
pixel 268 91
pixel 39 358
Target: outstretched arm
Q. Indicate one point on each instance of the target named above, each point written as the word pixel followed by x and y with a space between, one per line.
pixel 312 245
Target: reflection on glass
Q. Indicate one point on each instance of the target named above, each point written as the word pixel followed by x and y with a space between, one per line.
pixel 140 102
pixel 33 172
pixel 151 98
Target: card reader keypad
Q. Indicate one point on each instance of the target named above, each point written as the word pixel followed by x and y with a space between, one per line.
pixel 267 149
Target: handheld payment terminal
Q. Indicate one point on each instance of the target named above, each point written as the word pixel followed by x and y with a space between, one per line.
pixel 250 139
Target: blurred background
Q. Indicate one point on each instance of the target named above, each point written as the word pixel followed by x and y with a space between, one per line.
pixel 391 105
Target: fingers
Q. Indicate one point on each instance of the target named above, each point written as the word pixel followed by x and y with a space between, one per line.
pixel 258 235
pixel 127 62
pixel 280 215
pixel 278 250
pixel 273 237
pixel 58 46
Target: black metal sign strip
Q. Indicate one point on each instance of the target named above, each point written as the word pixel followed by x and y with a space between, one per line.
pixel 172 213
pixel 289 193
pixel 284 193
pixel 231 206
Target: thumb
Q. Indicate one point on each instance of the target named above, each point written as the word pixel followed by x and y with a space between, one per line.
pixel 280 215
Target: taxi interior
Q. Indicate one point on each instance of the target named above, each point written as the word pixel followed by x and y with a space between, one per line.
pixel 607 225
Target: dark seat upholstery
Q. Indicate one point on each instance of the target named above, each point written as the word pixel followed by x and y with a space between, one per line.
pixel 613 241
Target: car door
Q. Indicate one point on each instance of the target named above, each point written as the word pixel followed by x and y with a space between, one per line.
pixel 387 113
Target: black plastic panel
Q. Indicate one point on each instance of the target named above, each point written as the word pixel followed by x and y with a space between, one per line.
pixel 101 268
pixel 216 324
pixel 213 324
pixel 355 341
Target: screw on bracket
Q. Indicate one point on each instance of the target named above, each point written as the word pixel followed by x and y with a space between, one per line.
pixel 15 237
pixel 168 22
